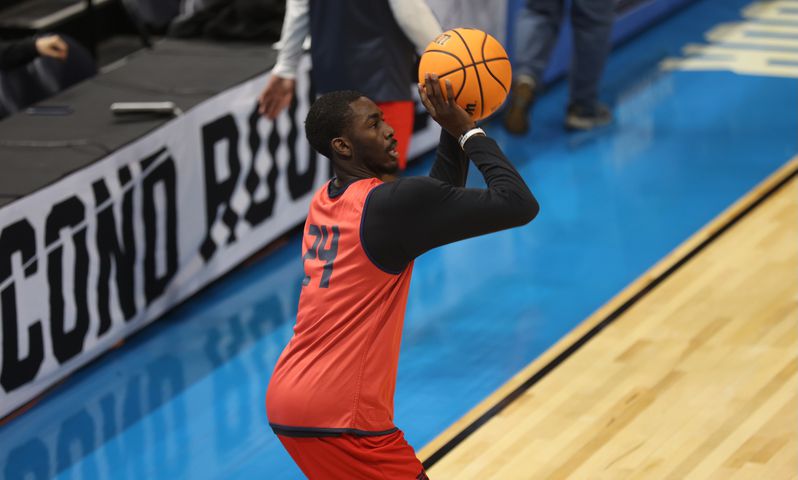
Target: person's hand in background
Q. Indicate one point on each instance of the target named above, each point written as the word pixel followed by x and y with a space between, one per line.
pixel 276 96
pixel 52 46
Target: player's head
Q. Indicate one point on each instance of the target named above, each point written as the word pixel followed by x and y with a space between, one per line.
pixel 348 128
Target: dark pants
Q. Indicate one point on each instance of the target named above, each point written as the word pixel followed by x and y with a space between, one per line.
pixel 537 26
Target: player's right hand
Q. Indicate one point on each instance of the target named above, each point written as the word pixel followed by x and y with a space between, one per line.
pixel 444 110
pixel 276 96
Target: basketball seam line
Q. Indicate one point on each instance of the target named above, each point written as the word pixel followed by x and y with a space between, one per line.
pixel 489 71
pixel 473 64
pixel 483 62
pixel 462 67
pixel 484 42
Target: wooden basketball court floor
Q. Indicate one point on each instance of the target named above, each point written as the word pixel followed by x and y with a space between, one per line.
pixel 691 372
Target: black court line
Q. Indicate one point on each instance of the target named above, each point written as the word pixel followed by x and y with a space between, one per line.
pixel 611 317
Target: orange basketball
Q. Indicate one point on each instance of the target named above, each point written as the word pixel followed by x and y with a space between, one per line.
pixel 476 65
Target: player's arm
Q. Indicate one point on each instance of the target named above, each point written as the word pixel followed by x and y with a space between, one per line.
pixel 461 140
pixel 451 162
pixel 405 218
pixel 410 216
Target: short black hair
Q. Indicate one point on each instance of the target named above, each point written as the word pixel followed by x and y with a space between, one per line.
pixel 328 118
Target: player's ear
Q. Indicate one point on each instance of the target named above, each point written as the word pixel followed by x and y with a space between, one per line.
pixel 342 147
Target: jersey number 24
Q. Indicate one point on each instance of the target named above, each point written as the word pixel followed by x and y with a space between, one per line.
pixel 320 250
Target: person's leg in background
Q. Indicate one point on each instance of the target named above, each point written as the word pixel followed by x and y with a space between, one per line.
pixel 536 30
pixel 400 115
pixel 592 25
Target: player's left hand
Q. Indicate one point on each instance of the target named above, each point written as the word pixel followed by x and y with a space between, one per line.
pixel 444 110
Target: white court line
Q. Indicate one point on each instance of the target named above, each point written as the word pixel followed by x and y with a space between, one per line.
pixel 781 10
pixel 751 47
pixel 740 53
pixel 746 67
pixel 755 34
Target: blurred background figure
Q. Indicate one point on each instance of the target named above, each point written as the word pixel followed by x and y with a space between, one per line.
pixel 35 68
pixel 369 46
pixel 21 52
pixel 536 31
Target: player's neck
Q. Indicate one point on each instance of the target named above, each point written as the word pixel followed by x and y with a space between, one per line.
pixel 345 177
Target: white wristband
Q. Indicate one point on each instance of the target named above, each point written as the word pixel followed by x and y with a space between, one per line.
pixel 464 137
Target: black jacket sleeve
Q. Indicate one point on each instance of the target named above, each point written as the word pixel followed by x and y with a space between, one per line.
pixel 410 216
pixel 16 54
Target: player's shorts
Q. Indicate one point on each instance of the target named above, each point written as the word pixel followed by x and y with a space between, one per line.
pixel 400 115
pixel 355 457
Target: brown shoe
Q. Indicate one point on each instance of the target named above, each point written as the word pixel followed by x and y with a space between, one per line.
pixel 516 117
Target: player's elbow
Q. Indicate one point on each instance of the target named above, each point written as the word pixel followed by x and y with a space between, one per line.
pixel 532 209
pixel 516 208
pixel 527 210
pixel 525 206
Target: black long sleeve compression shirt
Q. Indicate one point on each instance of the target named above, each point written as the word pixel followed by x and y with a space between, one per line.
pixel 409 216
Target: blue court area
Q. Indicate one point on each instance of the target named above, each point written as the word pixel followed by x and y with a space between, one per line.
pixel 185 398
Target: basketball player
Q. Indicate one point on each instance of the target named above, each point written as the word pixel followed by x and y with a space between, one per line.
pixel 330 399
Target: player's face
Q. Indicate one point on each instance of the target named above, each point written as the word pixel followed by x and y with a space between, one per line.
pixel 373 141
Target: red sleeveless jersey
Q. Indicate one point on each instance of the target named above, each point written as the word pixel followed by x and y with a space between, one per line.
pixel 339 369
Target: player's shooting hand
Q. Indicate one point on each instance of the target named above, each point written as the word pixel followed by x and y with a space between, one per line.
pixel 276 96
pixel 52 46
pixel 444 110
